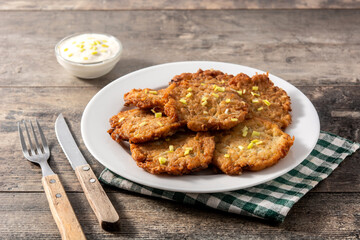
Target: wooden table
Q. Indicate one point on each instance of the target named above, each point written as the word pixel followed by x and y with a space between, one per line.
pixel 313 45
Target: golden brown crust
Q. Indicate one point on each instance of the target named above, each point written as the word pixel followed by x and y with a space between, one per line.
pixel 280 105
pixel 204 107
pixel 141 126
pixel 268 148
pixel 145 98
pixel 209 76
pixel 191 152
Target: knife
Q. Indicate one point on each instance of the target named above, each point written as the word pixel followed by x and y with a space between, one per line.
pixel 95 194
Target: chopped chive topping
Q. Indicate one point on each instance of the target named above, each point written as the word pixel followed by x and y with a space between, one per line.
pixel 158 115
pixel 188 95
pixel 227 100
pixel 187 151
pixel 255 133
pixel 239 92
pixel 66 49
pixel 189 89
pixel 260 108
pixel 255 88
pixel 162 160
pixel 94 53
pixel 259 142
pixel 266 102
pixel 251 144
pixel 240 147
pixel 215 86
pixel 255 100
pixel 204 103
pixel 105 46
pixel 205 112
pixel 255 94
pixel 219 89
pixel 153 92
pixel 204 99
pixel 215 95
pixel 183 101
pixel 153 111
pixel 203 84
pixel 70 54
pixel 227 155
pixel 222 81
pixel 245 131
pixel 86 58
pixel 255 141
pixel 146 91
pixel 234 119
pixel 81 50
pixel 142 124
pixel 171 148
pixel 121 119
pixel 160 124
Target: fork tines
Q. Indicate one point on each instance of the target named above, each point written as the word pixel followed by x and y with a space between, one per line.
pixel 32 149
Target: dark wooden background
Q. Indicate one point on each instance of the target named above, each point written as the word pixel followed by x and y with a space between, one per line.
pixel 314 45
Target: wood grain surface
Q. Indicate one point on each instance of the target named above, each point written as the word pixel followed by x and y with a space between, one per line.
pixel 177 5
pixel 316 50
pixel 61 209
pixel 99 201
pixel 309 47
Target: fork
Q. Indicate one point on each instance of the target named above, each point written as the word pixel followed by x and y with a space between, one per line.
pixel 60 206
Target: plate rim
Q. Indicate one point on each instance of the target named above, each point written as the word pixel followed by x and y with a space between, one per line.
pixel 138 181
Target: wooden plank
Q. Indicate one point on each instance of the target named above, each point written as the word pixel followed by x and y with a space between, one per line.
pixel 317 215
pixel 46 103
pixel 45 5
pixel 286 43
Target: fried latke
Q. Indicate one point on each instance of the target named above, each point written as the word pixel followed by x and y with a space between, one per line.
pixel 141 126
pixel 209 76
pixel 145 98
pixel 204 107
pixel 182 153
pixel 253 145
pixel 264 99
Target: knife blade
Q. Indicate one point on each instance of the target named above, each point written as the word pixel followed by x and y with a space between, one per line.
pixel 95 194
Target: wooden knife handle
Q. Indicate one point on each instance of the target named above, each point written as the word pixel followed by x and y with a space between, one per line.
pixel 61 209
pixel 95 194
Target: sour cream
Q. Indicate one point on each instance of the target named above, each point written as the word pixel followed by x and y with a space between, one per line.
pixel 88 55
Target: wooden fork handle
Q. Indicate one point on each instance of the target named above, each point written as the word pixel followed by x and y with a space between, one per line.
pixel 61 209
pixel 95 194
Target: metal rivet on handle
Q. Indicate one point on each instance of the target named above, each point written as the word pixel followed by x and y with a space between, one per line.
pixel 58 195
pixel 52 181
pixel 86 168
pixel 92 180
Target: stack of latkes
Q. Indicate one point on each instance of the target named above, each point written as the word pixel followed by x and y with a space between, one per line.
pixel 203 119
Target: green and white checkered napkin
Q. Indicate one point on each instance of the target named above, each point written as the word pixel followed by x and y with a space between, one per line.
pixel 272 200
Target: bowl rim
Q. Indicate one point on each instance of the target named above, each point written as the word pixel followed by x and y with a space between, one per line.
pixel 58 55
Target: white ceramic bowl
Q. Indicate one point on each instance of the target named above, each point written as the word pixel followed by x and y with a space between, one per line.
pixel 92 69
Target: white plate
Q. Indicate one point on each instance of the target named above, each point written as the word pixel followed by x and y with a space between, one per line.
pixel 109 101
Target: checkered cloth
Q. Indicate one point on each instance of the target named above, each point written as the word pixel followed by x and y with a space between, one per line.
pixel 272 200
